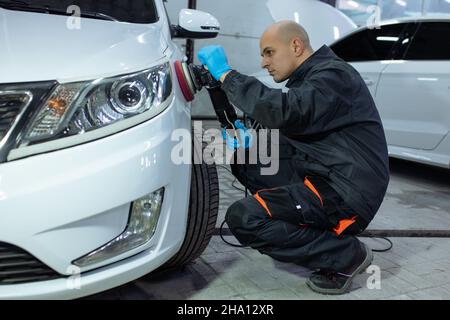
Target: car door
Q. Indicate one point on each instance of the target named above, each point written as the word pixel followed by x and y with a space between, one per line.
pixel 369 51
pixel 414 91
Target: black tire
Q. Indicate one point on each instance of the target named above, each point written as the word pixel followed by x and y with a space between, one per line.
pixel 202 216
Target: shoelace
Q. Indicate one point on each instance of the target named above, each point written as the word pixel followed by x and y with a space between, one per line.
pixel 329 275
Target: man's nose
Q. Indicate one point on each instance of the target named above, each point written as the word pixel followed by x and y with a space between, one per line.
pixel 264 63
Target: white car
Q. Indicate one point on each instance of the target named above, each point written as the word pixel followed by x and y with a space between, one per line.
pixel 406 65
pixel 89 196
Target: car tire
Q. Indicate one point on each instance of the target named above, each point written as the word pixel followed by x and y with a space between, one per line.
pixel 202 216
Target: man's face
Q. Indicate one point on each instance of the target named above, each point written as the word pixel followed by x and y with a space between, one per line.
pixel 278 57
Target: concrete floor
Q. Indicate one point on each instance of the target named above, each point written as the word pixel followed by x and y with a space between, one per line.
pixel 418 197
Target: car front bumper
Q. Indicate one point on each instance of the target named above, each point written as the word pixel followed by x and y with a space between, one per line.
pixel 61 205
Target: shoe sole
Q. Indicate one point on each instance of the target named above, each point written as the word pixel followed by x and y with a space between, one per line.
pixel 364 265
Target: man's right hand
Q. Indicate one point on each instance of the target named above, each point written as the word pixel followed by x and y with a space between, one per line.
pixel 215 59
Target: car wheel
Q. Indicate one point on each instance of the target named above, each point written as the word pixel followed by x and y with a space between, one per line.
pixel 202 216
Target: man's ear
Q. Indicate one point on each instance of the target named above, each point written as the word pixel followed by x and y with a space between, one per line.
pixel 298 46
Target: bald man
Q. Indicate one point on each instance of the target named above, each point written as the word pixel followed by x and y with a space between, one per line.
pixel 335 171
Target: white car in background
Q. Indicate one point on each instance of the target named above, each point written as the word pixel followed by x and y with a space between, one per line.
pixel 89 196
pixel 406 65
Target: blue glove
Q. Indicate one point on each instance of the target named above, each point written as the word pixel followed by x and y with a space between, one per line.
pixel 245 137
pixel 215 59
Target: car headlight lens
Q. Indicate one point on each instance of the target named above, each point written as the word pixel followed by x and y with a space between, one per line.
pixel 73 110
pixel 128 96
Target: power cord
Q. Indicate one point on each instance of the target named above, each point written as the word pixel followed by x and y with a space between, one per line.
pixel 237 188
pixel 382 238
pixel 234 181
pixel 229 243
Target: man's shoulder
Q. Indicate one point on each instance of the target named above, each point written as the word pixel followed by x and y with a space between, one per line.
pixel 332 64
pixel 334 68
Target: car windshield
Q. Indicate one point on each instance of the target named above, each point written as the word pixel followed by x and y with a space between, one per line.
pixel 133 11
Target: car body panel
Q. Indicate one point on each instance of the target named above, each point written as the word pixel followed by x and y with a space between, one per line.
pixel 418 118
pixel 371 73
pixel 438 157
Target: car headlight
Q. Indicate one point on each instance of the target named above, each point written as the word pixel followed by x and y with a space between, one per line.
pixel 83 111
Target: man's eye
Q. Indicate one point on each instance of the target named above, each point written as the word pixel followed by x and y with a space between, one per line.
pixel 267 53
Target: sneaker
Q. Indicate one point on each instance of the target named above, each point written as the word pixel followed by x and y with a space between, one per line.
pixel 327 282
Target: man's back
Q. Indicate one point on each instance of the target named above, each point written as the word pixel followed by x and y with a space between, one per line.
pixel 348 140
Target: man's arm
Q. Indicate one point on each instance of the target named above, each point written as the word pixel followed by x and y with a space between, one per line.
pixel 321 103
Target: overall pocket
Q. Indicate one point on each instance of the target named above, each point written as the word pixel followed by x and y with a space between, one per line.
pixel 342 218
pixel 279 205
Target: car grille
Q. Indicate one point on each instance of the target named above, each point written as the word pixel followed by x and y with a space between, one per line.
pixel 11 104
pixel 18 266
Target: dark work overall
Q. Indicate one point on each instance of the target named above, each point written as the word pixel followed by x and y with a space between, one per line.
pixel 295 218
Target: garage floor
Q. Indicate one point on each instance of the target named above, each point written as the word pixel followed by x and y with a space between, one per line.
pixel 418 197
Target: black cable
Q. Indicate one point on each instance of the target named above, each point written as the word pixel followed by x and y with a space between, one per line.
pixel 383 238
pixel 229 243
pixel 234 181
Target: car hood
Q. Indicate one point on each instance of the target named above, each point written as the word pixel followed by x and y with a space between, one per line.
pixel 38 47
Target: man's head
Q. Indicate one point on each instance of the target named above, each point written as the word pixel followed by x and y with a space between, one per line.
pixel 284 47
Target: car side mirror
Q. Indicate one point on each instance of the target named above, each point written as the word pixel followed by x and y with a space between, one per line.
pixel 195 24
